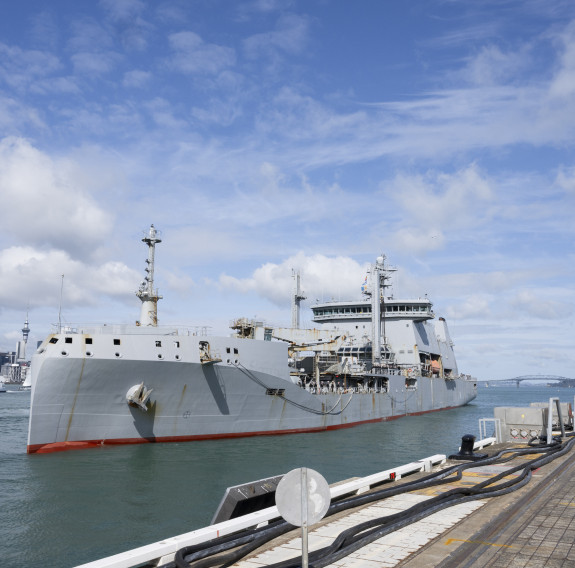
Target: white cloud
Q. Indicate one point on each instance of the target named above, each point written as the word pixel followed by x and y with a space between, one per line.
pixel 137 78
pixel 563 84
pixel 192 55
pixel 323 278
pixel 20 68
pixel 89 63
pixel 16 116
pixel 32 277
pixel 566 179
pixel 438 199
pixel 290 36
pixel 124 10
pixel 530 303
pixel 418 239
pixel 89 35
pixel 436 204
pixel 132 29
pixel 474 306
pixel 491 66
pixel 44 203
pixel 162 113
pixel 264 6
pixel 181 284
pixel 56 85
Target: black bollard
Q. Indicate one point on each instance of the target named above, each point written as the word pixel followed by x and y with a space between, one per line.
pixel 466 451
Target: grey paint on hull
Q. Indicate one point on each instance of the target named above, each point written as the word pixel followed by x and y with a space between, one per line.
pixel 84 400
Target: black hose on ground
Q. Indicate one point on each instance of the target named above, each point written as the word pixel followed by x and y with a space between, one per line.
pixel 214 552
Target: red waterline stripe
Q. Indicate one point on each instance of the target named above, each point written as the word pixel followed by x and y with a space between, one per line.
pixel 84 444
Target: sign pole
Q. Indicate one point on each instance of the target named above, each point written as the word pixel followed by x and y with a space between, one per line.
pixel 304 554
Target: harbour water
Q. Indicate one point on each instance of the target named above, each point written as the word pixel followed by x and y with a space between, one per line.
pixel 65 509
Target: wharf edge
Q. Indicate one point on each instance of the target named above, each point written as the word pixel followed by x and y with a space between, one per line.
pixel 534 526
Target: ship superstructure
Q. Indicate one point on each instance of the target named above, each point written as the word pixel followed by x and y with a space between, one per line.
pixel 349 349
pixel 369 360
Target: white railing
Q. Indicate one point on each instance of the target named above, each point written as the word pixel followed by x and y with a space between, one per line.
pixel 163 551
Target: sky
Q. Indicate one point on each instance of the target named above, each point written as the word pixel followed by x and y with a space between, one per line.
pixel 262 136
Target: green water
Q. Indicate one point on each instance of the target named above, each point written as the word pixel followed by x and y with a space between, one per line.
pixel 65 509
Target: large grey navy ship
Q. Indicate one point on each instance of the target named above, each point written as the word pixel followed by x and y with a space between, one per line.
pixel 369 360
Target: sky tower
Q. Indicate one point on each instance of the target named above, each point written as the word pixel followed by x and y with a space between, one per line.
pixel 21 346
pixel 25 330
pixel 146 293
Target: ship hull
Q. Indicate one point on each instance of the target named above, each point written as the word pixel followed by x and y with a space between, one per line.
pixel 80 401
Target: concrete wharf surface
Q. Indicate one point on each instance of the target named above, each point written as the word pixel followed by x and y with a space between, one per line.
pixel 532 527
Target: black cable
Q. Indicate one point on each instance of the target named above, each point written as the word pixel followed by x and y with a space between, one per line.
pixel 210 553
pixel 359 536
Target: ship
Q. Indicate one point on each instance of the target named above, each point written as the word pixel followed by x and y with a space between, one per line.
pixel 370 360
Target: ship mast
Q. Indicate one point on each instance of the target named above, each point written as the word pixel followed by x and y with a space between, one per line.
pixel 146 293
pixel 380 274
pixel 297 297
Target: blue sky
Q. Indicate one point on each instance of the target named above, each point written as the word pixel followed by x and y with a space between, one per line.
pixel 262 136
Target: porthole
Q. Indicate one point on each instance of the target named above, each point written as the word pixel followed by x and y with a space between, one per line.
pixel 236 361
pixel 117 354
pixel 160 356
pixel 178 357
pixel 64 353
pixel 89 354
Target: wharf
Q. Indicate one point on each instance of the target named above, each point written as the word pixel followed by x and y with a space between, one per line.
pixel 531 527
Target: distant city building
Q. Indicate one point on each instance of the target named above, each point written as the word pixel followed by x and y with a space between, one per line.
pixel 7 357
pixel 13 364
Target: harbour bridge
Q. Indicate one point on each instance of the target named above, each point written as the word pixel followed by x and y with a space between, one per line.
pixel 560 381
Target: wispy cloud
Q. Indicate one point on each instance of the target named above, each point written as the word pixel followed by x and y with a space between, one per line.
pixel 283 134
pixel 290 36
pixel 190 54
